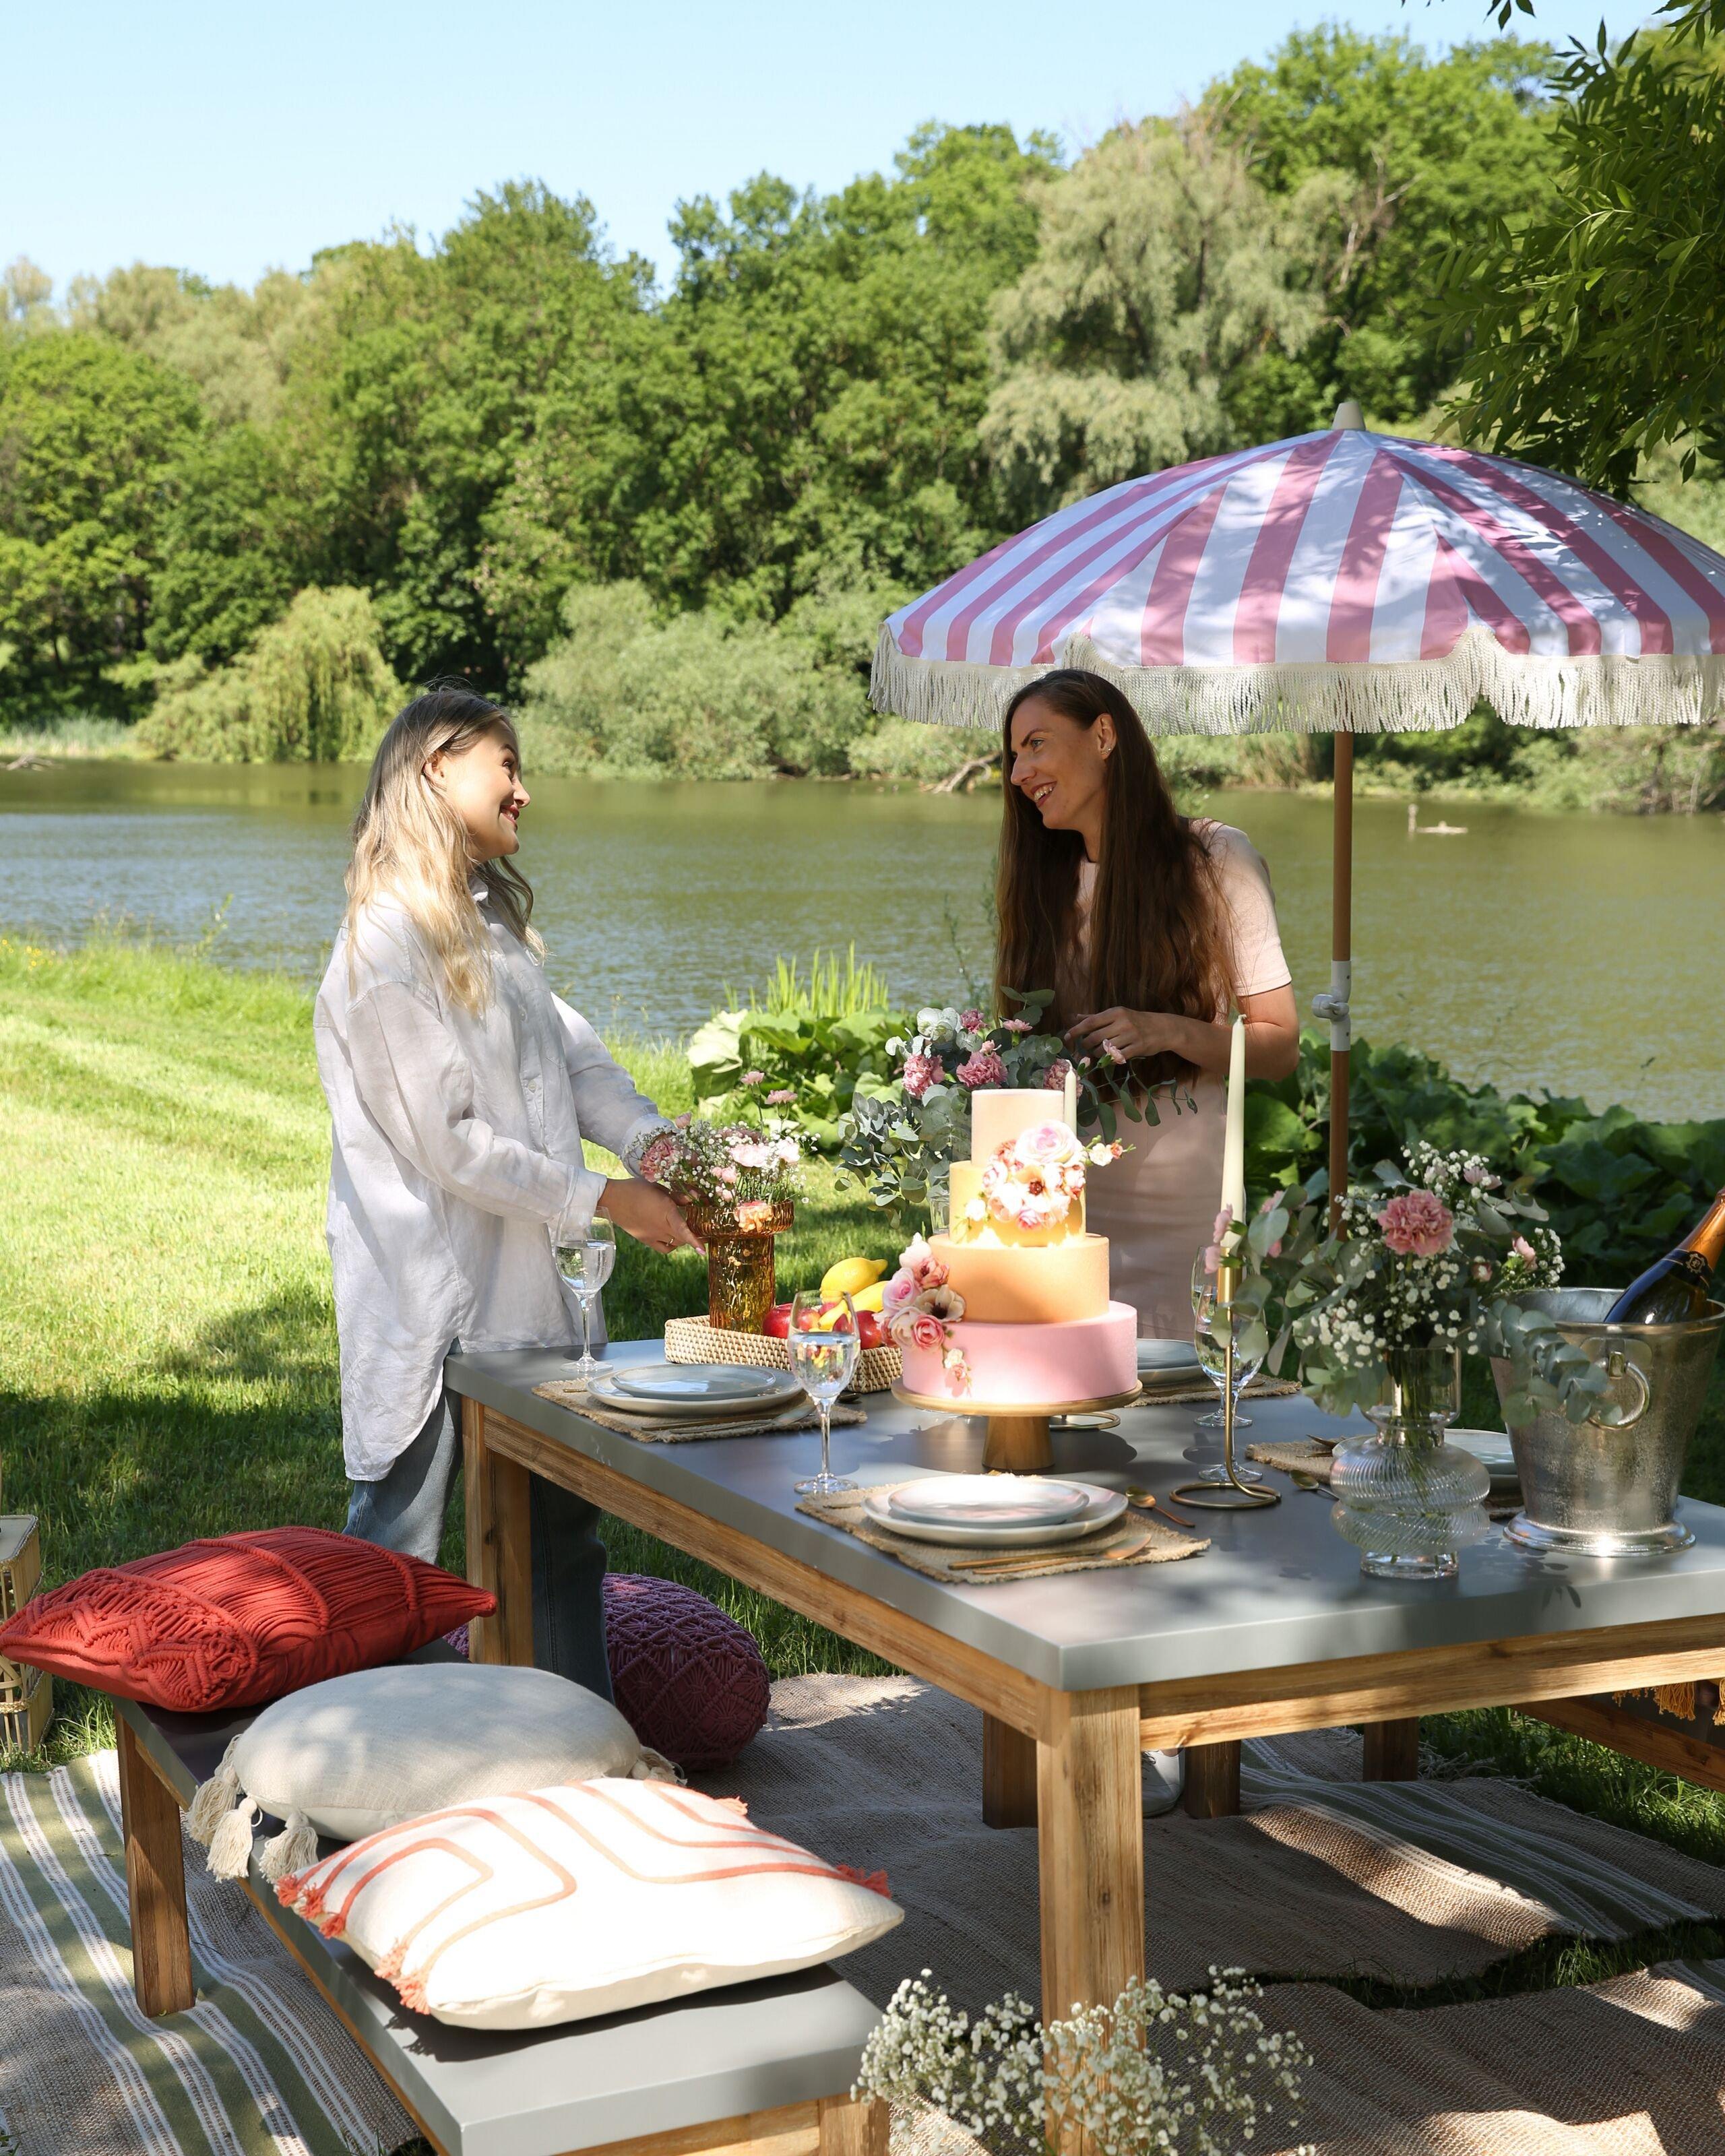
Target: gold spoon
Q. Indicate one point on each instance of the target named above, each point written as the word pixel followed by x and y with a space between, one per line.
pixel 1147 1501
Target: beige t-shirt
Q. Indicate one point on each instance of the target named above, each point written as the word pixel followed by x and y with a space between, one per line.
pixel 1158 1203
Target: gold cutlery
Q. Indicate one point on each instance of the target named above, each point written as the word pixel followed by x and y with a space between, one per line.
pixel 1147 1501
pixel 1050 1562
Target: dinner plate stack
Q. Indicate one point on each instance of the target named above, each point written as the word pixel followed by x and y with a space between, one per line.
pixel 1169 1366
pixel 696 1392
pixel 1003 1511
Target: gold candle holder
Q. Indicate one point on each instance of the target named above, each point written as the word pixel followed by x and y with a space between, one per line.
pixel 1231 1495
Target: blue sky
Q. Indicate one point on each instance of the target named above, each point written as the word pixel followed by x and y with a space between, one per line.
pixel 231 139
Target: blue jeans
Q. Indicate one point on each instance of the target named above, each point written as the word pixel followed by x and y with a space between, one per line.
pixel 404 1510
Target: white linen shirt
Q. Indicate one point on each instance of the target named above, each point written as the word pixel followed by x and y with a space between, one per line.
pixel 455 1166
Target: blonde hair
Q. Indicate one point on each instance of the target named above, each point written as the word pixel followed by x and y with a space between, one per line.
pixel 410 846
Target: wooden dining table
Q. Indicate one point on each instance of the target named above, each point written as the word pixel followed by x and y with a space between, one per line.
pixel 1271 1630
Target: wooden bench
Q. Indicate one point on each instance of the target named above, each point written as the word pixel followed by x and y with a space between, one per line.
pixel 763 2068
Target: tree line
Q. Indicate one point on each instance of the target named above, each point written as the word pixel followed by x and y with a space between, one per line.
pixel 669 518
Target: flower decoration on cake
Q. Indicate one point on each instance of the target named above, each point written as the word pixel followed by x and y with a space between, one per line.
pixel 1031 1182
pixel 922 1310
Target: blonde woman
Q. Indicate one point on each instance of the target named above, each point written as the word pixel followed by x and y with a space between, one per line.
pixel 459 1090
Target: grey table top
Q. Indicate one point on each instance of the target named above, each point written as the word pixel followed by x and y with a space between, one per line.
pixel 1277 1586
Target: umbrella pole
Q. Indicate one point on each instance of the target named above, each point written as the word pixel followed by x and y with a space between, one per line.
pixel 1335 1006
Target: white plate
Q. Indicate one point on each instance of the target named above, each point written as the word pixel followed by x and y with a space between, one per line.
pixel 1492 1446
pixel 1166 1355
pixel 989 1500
pixel 703 1384
pixel 604 1393
pixel 1104 1508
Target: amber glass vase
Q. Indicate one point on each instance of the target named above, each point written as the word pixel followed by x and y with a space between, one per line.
pixel 740 1272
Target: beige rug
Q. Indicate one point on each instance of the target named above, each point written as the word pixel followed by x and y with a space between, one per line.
pixel 1323 1877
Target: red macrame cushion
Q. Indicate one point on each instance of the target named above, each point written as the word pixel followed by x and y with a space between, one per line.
pixel 240 1619
pixel 689 1680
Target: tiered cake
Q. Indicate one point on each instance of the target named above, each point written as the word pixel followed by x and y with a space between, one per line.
pixel 1037 1328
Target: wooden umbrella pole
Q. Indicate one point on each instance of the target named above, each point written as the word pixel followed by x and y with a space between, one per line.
pixel 1335 1006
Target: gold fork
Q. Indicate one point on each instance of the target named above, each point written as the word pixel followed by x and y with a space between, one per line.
pixel 1073 1564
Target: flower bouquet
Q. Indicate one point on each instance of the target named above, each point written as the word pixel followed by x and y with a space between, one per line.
pixel 737 1183
pixel 1423 1265
pixel 902 1133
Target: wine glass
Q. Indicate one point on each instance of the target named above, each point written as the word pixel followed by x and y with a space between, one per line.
pixel 1203 1294
pixel 1216 1325
pixel 586 1265
pixel 821 1338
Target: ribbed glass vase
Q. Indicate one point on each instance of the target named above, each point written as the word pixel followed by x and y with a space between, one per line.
pixel 1409 1501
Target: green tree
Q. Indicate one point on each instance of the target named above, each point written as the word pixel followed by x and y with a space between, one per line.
pixel 1399 157
pixel 1164 268
pixel 1594 331
pixel 90 436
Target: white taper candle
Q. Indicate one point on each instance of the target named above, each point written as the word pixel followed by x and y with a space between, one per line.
pixel 1070 1094
pixel 1234 1143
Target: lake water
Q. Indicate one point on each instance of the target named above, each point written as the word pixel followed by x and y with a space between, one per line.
pixel 1583 953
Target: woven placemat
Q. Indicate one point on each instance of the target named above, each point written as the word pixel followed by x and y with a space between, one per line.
pixel 1180 1393
pixel 567 1392
pixel 1137 1539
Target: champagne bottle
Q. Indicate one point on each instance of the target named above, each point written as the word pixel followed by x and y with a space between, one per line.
pixel 1675 1287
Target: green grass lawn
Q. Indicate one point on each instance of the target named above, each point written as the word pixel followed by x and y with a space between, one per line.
pixel 167 1350
pixel 167 1345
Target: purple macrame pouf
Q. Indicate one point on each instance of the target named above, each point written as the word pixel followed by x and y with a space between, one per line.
pixel 689 1680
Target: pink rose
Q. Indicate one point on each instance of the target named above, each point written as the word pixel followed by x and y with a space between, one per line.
pixel 1525 1250
pixel 752 1156
pixel 972 1021
pixel 1047 1145
pixel 984 1068
pixel 927 1332
pixel 899 1289
pixel 1418 1224
pixel 919 1262
pixel 1030 1220
pixel 920 1073
pixel 1058 1072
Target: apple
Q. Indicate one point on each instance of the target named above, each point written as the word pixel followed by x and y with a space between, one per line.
pixel 777 1323
pixel 868 1333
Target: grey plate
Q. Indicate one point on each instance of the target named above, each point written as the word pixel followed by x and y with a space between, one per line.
pixel 704 1384
pixel 1104 1509
pixel 605 1392
pixel 989 1500
pixel 1169 1355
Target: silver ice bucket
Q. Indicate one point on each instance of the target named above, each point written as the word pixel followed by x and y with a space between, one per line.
pixel 1610 1488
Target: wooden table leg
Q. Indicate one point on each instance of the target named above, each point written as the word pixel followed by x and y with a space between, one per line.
pixel 499 1544
pixel 154 1882
pixel 1091 1845
pixel 1009 1775
pixel 1212 1788
pixel 1393 1750
pixel 849 2128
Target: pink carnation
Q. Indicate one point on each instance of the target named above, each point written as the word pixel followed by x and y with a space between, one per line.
pixel 972 1021
pixel 1418 1224
pixel 754 1077
pixel 1058 1072
pixel 1016 1025
pixel 984 1068
pixel 920 1073
pixel 785 1097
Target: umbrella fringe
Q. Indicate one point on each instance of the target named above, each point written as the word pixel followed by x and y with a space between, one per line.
pixel 1425 695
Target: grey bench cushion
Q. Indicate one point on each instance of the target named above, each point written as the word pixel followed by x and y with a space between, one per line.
pixel 538 2092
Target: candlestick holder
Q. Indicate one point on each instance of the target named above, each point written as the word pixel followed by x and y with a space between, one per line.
pixel 1230 1495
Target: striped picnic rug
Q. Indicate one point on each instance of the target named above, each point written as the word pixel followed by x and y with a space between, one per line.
pixel 258 2066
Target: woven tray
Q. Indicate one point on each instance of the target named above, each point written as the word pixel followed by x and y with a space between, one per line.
pixel 695 1340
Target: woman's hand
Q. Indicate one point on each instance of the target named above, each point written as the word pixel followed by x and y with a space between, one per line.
pixel 649 1213
pixel 1131 1033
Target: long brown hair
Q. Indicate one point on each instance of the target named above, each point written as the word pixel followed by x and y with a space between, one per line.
pixel 1157 937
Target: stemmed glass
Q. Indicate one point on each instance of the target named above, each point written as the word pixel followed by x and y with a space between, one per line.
pixel 823 1340
pixel 1203 1297
pixel 1216 1325
pixel 587 1266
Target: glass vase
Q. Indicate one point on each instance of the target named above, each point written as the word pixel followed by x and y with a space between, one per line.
pixel 1407 1500
pixel 741 1274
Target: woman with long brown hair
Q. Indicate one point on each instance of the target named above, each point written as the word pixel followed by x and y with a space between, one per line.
pixel 1151 927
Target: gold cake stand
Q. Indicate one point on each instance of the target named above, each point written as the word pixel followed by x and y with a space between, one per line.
pixel 1018 1442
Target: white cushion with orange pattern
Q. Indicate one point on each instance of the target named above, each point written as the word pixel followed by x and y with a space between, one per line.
pixel 586 1898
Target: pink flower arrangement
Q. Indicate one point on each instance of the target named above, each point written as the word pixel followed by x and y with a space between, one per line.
pixel 1417 1224
pixel 922 1072
pixel 984 1068
pixel 1058 1072
pixel 921 1309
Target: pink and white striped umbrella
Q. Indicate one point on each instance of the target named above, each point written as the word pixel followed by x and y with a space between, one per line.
pixel 1339 582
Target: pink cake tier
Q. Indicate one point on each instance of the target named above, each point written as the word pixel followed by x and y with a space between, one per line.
pixel 1034 1366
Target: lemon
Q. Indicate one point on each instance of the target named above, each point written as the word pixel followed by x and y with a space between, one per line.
pixel 851 1275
